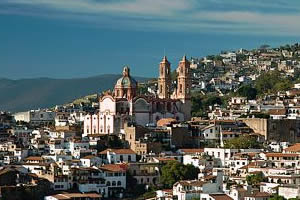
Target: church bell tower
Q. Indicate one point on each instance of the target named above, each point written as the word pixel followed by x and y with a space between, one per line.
pixel 184 85
pixel 164 79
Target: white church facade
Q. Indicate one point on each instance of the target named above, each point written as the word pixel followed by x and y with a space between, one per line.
pixel 124 105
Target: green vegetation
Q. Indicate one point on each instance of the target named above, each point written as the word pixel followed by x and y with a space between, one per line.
pixel 201 103
pixel 174 171
pixel 247 91
pixel 277 197
pixel 255 179
pixel 272 82
pixel 242 142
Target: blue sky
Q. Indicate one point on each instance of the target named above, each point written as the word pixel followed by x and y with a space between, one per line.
pixel 80 38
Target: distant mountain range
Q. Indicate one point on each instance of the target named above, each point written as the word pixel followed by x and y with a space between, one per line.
pixel 26 94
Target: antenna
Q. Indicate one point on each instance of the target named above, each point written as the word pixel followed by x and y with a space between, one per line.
pixel 164 51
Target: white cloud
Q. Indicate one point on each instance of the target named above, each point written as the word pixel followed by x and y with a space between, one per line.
pixel 172 15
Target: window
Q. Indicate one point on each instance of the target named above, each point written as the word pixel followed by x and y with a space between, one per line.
pixel 129 158
pixel 108 183
pixel 119 183
pixel 113 183
pixel 121 158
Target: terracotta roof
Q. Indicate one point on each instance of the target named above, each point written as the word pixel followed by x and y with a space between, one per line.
pixel 293 148
pixel 165 121
pixel 118 151
pixel 220 197
pixel 190 183
pixel 76 195
pixel 89 157
pixel 277 111
pixel 165 159
pixel 210 177
pixel 281 155
pixel 114 167
pixel 192 151
pixel 259 194
pixel 35 158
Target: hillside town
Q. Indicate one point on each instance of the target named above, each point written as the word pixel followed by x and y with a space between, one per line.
pixel 224 126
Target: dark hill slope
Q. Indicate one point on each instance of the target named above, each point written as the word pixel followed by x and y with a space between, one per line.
pixel 25 94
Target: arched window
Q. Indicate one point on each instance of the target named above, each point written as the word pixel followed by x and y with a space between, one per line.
pixel 107 183
pixel 114 183
pixel 119 183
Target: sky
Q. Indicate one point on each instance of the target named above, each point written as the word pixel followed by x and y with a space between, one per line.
pixel 82 38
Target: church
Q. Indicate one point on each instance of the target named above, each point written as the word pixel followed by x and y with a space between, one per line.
pixel 125 105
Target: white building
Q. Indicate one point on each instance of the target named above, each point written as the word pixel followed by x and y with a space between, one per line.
pixel 124 104
pixel 36 117
pixel 112 156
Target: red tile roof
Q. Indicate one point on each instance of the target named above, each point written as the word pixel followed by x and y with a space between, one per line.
pixel 191 151
pixel 281 155
pixel 293 148
pixel 35 158
pixel 259 194
pixel 165 121
pixel 114 167
pixel 118 151
pixel 220 197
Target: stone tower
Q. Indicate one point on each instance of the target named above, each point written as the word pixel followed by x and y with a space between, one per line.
pixel 184 85
pixel 164 79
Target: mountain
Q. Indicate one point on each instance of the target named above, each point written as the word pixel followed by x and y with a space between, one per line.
pixel 26 94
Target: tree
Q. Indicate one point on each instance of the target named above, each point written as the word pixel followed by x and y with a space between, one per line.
pixel 201 103
pixel 255 179
pixel 277 197
pixel 272 82
pixel 242 142
pixel 174 171
pixel 247 91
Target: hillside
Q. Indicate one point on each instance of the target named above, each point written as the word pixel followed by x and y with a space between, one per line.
pixel 25 94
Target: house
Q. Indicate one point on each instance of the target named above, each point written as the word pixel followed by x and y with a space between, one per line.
pixel 189 189
pixel 74 196
pixel 115 178
pixel 292 149
pixel 257 196
pixel 36 117
pixel 112 156
pixel 90 160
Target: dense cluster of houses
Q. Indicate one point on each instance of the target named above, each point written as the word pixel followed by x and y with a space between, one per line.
pixel 93 151
pixel 229 70
pixel 73 166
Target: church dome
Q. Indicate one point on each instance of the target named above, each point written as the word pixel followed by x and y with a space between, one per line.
pixel 126 81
